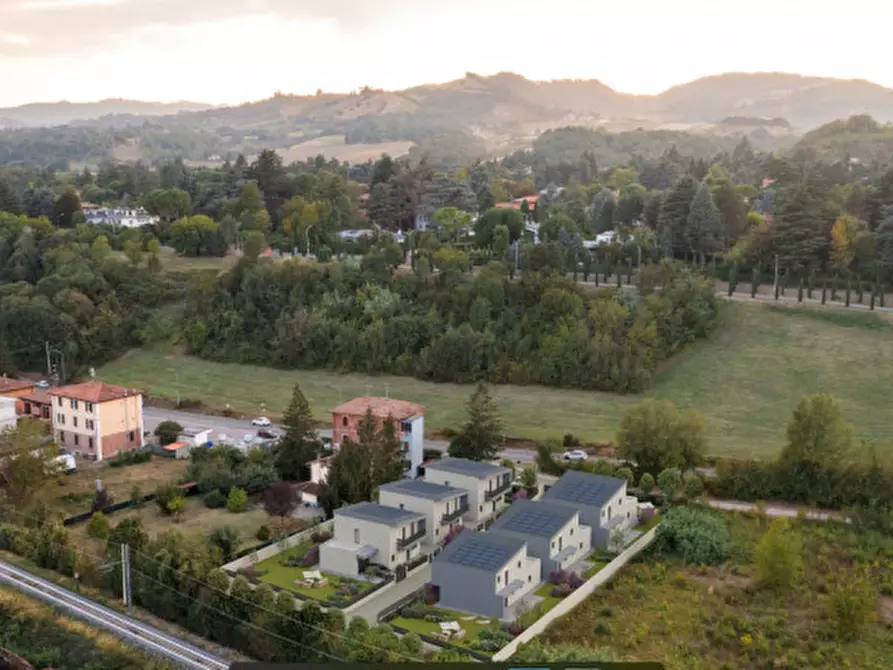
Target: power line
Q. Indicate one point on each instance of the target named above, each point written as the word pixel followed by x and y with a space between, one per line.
pixel 264 609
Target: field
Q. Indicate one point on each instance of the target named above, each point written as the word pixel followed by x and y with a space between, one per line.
pixel 174 262
pixel 333 146
pixel 745 379
pixel 718 618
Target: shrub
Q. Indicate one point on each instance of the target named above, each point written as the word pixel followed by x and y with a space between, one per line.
pixel 606 611
pixel 627 474
pixel 697 535
pixel 263 533
pixel 136 496
pixel 102 500
pixel 602 628
pixel 98 526
pixel 215 499
pixel 429 593
pixel 415 610
pixel 225 538
pixel 851 606
pixel 320 536
pixel 163 496
pixel 575 581
pixel 669 482
pixel 558 577
pixel 570 440
pixel 252 572
pixel 561 591
pixel 515 628
pixel 603 467
pixel 641 592
pixel 646 483
pixel 125 458
pixel 779 555
pixel 311 557
pixel 167 432
pixel 694 487
pixel 177 508
pixel 237 500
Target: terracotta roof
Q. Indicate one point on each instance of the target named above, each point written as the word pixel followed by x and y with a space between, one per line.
pixel 39 396
pixel 94 392
pixel 8 385
pixel 381 407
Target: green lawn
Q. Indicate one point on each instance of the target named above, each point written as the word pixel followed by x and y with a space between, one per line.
pixel 283 576
pixel 596 566
pixel 422 627
pixel 745 379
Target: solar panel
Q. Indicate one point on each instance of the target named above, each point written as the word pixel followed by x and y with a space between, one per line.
pixel 533 518
pixel 584 488
pixel 475 554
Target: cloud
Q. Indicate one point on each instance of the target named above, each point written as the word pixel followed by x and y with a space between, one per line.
pixel 16 40
pixel 74 27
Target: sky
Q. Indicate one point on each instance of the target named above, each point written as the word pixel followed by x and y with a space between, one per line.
pixel 232 51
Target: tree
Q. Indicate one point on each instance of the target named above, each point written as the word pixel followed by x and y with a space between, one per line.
pixel 98 527
pixel 603 206
pixel 281 499
pixel 732 211
pixel 153 246
pixel 134 252
pixel 884 234
pixel 818 435
pixel 237 500
pixel 226 538
pixel 646 483
pixel 253 245
pixel 627 474
pixel 669 481
pixel 26 462
pixel 845 234
pixel 501 243
pixel 703 230
pixel 164 494
pixel 656 435
pixel 801 225
pixel 169 204
pixel 250 200
pixel 167 432
pixel 195 236
pixel 852 604
pixel 486 224
pixel 630 205
pixel 481 436
pixel 300 444
pixel 779 555
pixel 66 206
pixel 694 487
pixel 451 220
pixel 529 482
pixel 673 217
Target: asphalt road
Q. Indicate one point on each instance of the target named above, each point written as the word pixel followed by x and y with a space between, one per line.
pixel 135 633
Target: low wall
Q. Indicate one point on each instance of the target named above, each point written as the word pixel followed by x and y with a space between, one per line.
pixel 277 547
pixel 575 598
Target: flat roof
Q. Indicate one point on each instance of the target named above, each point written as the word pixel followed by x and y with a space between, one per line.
pixel 370 511
pixel 380 407
pixel 174 446
pixel 418 488
pixel 584 488
pixel 480 551
pixel 539 518
pixel 462 466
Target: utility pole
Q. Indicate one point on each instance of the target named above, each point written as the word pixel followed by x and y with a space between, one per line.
pixel 125 577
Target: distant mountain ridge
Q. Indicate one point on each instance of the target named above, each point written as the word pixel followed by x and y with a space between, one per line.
pixel 40 114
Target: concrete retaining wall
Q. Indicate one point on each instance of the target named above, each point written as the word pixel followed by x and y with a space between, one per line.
pixel 278 547
pixel 575 598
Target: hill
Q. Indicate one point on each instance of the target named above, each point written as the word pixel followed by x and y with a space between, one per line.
pixel 859 138
pixel 457 121
pixel 42 114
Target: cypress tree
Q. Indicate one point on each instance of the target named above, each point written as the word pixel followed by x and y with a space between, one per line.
pixel 733 279
pixel 871 305
pixel 848 289
pixel 619 274
pixel 859 291
pixel 834 288
pixel 755 282
pixel 800 291
pixel 809 286
pixel 824 291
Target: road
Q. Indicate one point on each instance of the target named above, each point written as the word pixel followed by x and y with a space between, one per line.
pixel 774 510
pixel 134 632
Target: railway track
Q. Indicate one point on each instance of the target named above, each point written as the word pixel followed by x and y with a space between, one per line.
pixel 133 632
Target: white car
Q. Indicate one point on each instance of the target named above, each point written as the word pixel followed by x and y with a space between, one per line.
pixel 575 455
pixel 43 384
pixel 262 422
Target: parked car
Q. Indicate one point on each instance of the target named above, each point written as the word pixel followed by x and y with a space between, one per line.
pixel 43 384
pixel 575 455
pixel 267 435
pixel 261 421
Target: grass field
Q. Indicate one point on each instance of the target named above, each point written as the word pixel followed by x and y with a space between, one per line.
pixel 174 262
pixel 745 379
pixel 333 146
pixel 718 618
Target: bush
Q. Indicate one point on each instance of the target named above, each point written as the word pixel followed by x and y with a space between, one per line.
pixel 646 483
pixel 570 440
pixel 177 508
pixel 694 487
pixel 697 535
pixel 98 526
pixel 415 610
pixel 225 538
pixel 311 557
pixel 163 496
pixel 125 458
pixel 102 500
pixel 602 628
pixel 606 611
pixel 167 432
pixel 263 533
pixel 561 591
pixel 625 473
pixel 320 536
pixel 215 500
pixel 237 500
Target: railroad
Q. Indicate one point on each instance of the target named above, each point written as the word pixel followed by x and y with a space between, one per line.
pixel 134 632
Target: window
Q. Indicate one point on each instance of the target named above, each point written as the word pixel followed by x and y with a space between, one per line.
pixel 61 436
pixel 90 442
pixel 519 564
pixel 498 579
pixel 344 421
pixel 581 545
pixel 553 545
pixel 480 508
pixel 132 436
pixel 60 402
pixel 75 439
pixel 90 424
pixel 393 558
pixel 356 535
pixel 74 421
pixel 88 406
pixel 609 511
pixel 60 418
pixel 401 505
pixel 529 578
pixel 28 408
pixel 45 412
pixel 446 482
pixel 436 532
pixel 74 404
pixel 506 602
pixel 572 532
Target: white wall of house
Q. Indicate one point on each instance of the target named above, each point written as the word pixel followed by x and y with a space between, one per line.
pixel 434 511
pixel 319 470
pixel 361 532
pixel 7 413
pixel 416 444
pixel 480 509
pixel 522 567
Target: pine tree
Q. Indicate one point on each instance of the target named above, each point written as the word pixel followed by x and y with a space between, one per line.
pixel 673 217
pixel 704 226
pixel 9 201
pixel 603 206
pixel 300 444
pixel 388 464
pixel 801 225
pixel 481 435
pixel 7 364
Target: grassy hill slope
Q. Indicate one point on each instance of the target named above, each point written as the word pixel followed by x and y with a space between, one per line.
pixel 746 380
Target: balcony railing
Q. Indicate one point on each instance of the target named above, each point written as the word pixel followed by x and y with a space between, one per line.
pixel 457 513
pixel 403 542
pixel 500 489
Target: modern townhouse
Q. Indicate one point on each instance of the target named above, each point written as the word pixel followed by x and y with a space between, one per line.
pixel 443 506
pixel 602 501
pixel 486 484
pixel 370 533
pixel 485 573
pixel 553 533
